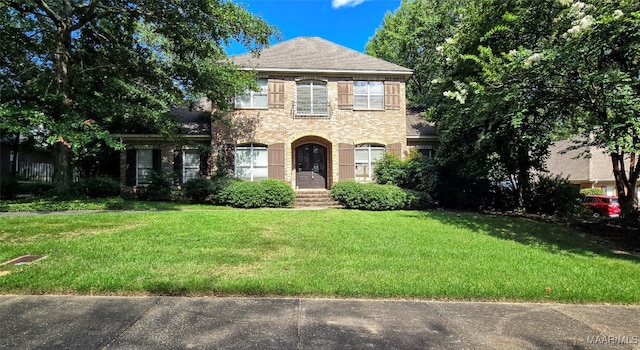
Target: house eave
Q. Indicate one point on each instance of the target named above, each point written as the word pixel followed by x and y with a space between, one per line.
pixel 159 137
pixel 423 137
pixel 404 74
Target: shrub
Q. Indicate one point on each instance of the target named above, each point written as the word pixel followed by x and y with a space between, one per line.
pixel 592 191
pixel 218 184
pixel 417 173
pixel 159 188
pixel 554 196
pixel 198 190
pixel 96 187
pixel 370 196
pixel 267 193
pixel 418 200
pixel 114 204
pixel 8 188
pixel 390 170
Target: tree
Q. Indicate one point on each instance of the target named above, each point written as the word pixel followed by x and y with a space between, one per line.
pixel 597 55
pixel 105 65
pixel 411 36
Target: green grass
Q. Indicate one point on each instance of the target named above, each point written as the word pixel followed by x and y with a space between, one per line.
pixel 331 253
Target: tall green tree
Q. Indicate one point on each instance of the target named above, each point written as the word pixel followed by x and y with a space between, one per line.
pixel 503 112
pixel 412 36
pixel 597 60
pixel 104 65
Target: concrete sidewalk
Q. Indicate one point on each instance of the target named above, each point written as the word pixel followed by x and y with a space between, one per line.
pixel 72 322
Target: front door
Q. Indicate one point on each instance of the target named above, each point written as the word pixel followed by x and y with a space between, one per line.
pixel 311 166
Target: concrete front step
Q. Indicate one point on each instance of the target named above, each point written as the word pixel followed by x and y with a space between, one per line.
pixel 315 198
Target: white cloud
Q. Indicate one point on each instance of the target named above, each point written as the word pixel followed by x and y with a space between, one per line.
pixel 348 3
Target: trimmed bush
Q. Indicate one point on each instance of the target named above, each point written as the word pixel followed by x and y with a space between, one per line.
pixel 592 192
pixel 96 187
pixel 198 190
pixel 262 194
pixel 370 196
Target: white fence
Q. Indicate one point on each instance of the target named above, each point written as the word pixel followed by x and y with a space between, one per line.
pixel 37 172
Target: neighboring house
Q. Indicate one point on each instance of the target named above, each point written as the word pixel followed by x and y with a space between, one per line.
pixel 324 113
pixel 29 163
pixel 593 172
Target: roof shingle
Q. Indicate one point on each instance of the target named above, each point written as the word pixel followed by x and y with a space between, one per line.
pixel 313 54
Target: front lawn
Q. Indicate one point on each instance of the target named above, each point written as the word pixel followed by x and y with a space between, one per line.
pixel 328 253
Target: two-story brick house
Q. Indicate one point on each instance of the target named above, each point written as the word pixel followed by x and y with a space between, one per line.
pixel 324 113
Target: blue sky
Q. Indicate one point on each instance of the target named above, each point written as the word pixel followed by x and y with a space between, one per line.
pixel 346 22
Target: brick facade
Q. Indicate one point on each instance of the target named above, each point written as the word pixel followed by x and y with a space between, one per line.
pixel 280 125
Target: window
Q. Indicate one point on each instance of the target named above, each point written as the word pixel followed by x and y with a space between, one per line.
pixel 368 95
pixel 427 152
pixel 365 157
pixel 190 165
pixel 311 98
pixel 144 166
pixel 252 162
pixel 254 99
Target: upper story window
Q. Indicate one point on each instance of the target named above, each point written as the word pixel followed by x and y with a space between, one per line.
pixel 368 95
pixel 254 99
pixel 311 98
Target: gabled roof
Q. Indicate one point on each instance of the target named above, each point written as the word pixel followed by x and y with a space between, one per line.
pixel 316 55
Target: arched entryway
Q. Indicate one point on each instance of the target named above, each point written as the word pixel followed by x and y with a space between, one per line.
pixel 311 166
pixel 311 162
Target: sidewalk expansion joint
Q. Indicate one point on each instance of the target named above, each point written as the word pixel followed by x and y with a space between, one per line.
pixel 130 325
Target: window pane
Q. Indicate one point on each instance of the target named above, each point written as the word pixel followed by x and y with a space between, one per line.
pixel 191 159
pixel 264 87
pixel 260 173
pixel 191 174
pixel 260 101
pixel 303 98
pixel 362 171
pixel 376 88
pixel 145 158
pixel 243 173
pixel 377 102
pixel 360 87
pixel 376 153
pixel 360 102
pixel 243 101
pixel 362 155
pixel 243 156
pixel 260 156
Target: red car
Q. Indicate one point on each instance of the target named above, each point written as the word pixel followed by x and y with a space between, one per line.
pixel 602 205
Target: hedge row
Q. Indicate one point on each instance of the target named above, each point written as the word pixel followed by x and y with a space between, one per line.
pixel 240 194
pixel 372 196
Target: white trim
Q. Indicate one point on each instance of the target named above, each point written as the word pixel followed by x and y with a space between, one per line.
pixel 329 71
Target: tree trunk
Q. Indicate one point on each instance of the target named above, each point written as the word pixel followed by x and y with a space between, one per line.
pixel 61 168
pixel 626 185
pixel 61 148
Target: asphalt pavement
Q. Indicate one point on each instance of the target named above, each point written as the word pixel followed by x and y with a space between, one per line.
pixel 98 322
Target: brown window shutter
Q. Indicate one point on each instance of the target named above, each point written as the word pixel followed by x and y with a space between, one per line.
pixel 276 94
pixel 345 95
pixel 276 161
pixel 395 149
pixel 391 95
pixel 347 162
